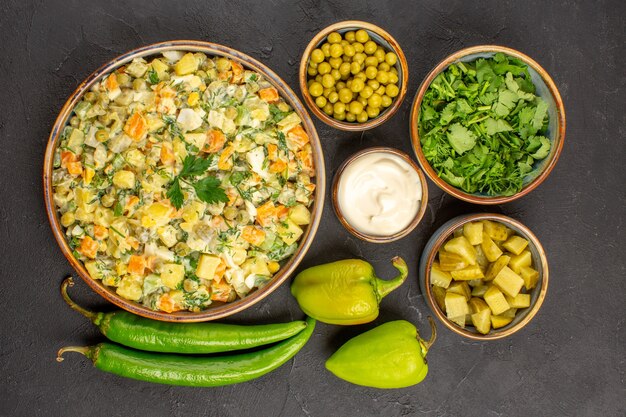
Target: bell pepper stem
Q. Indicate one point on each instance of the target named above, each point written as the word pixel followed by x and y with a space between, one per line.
pixel 83 350
pixel 384 287
pixel 433 335
pixel 69 282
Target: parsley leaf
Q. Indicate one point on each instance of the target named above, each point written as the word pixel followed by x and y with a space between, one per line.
pixel 175 194
pixel 194 166
pixel 208 190
pixel 460 138
pixel 153 77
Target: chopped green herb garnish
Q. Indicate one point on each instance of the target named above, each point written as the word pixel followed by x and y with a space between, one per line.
pixel 207 189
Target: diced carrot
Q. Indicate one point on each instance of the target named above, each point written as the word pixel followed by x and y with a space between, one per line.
pixel 224 75
pixel 131 203
pixel 167 304
pixel 220 291
pixel 167 155
pixel 151 262
pixel 88 247
pixel 253 235
pixel 266 214
pixel 219 272
pixel 310 187
pixel 165 91
pixel 74 168
pixel 215 140
pixel 225 162
pixel 67 157
pixel 306 158
pixel 111 82
pixel 218 222
pixel 298 137
pixel 232 195
pixel 134 243
pixel 282 212
pixel 278 166
pixel 100 232
pixel 237 69
pixel 269 94
pixel 136 265
pixel 136 126
pixel 272 151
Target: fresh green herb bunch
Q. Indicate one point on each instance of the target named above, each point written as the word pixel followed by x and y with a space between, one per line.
pixel 482 127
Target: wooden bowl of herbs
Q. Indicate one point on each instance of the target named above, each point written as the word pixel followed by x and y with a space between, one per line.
pixel 487 124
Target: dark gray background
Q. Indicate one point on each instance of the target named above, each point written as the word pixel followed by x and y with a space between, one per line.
pixel 569 361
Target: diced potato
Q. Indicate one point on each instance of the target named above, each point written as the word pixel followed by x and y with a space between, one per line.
pixel 462 247
pixel 438 277
pixel 84 199
pixel 156 214
pixel 172 274
pixel 530 277
pixel 207 264
pixel 477 304
pixel 519 301
pixel 473 231
pixel 76 140
pixel 94 271
pixel 129 288
pixel 515 244
pixel 461 288
pixel 496 301
pixel 289 232
pixel 255 266
pixel 299 214
pixel 518 261
pixel 481 259
pixel 482 321
pixel 440 297
pixel 124 179
pixel 495 230
pixel 509 282
pixel 186 65
pixel 491 250
pixel 456 305
pixel 479 290
pixel 496 267
pixel 160 68
pixel 167 235
pixel 500 321
pixel 469 273
pixel 450 261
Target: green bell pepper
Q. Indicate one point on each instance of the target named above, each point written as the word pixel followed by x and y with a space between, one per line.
pixel 344 292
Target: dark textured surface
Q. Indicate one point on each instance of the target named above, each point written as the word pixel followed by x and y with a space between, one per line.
pixel 571 359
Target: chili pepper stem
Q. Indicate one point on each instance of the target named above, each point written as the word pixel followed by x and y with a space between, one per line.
pixel 433 335
pixel 69 282
pixel 384 287
pixel 83 350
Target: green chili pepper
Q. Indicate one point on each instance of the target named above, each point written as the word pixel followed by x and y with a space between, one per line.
pixel 197 371
pixel 344 292
pixel 391 355
pixel 140 333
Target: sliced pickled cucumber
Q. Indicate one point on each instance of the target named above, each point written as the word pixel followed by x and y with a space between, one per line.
pixel 456 306
pixel 495 300
pixel 496 267
pixel 475 282
pixel 495 230
pixel 473 231
pixel 491 250
pixel 468 273
pixel 460 287
pixel 509 313
pixel 476 304
pixel 481 259
pixel 440 297
pixel 515 244
pixel 518 261
pixel 530 277
pixel 500 321
pixel 460 321
pixel 451 261
pixel 479 290
pixel 509 282
pixel 438 277
pixel 520 301
pixel 482 321
pixel 462 247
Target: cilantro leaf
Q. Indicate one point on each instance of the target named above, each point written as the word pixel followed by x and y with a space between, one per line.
pixel 175 194
pixel 460 138
pixel 543 150
pixel 494 126
pixel 208 190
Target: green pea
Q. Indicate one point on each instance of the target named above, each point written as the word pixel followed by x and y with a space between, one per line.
pixel 336 74
pixel 370 72
pixel 339 107
pixel 346 58
pixel 362 117
pixel 355 107
pixel 392 90
pixel 311 71
pixel 325 49
pixel 361 75
pixel 386 101
pixel 357 85
pixel 382 77
pixel 340 85
pixel 316 89
pixel 318 78
pixel 393 78
pixel 359 57
pixel 333 97
pixel 391 58
pixel 340 116
pixel 323 68
pixel 328 81
pixel 336 50
pixel 349 51
pixel 320 101
pixel 317 56
pixel 350 117
pixel 371 61
pixel 334 37
pixel 345 95
pixel 362 36
pixel 358 47
pixel 383 66
pixel 349 36
pixel 374 101
pixel 355 67
pixel 335 62
pixel 372 112
pixel 374 84
pixel 348 84
pixel 327 92
pixel 381 90
pixel 394 70
pixel 366 92
pixel 380 54
pixel 344 43
pixel 344 69
pixel 362 100
pixel 328 109
pixel 309 82
pixel 370 47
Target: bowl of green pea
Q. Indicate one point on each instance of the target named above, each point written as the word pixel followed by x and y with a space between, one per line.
pixel 353 75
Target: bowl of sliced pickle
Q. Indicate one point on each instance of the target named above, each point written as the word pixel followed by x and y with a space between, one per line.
pixel 485 276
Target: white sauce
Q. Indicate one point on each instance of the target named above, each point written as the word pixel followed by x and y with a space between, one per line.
pixel 379 194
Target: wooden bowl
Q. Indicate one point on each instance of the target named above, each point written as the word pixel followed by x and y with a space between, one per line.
pixel 378 238
pixel 537 294
pixel 546 89
pixel 215 310
pixel 382 38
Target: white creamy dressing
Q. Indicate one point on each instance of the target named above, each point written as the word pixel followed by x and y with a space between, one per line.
pixel 379 194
